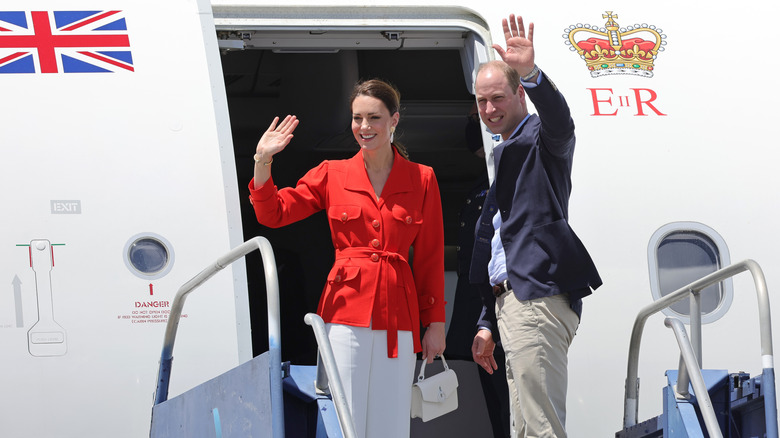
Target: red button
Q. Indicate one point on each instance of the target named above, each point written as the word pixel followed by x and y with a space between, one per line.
pixel 431 300
pixel 337 278
pixel 374 257
pixel 408 219
pixel 344 217
pixel 375 243
pixel 375 224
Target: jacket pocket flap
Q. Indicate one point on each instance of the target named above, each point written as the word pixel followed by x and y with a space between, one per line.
pixel 343 273
pixel 344 212
pixel 408 217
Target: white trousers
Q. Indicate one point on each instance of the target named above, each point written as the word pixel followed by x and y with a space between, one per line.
pixel 378 389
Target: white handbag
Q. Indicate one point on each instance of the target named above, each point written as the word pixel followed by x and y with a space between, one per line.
pixel 436 395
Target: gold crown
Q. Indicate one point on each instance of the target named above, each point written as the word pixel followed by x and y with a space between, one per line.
pixel 613 50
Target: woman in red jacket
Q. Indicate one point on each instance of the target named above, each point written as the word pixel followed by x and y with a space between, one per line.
pixel 379 205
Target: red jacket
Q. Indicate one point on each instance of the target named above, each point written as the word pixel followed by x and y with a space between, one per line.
pixel 371 282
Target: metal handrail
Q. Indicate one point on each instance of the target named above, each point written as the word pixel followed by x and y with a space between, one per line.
pixel 321 382
pixel 697 380
pixel 631 403
pixel 331 378
pixel 683 378
pixel 274 332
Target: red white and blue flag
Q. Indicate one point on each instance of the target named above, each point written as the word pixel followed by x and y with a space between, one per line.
pixel 64 42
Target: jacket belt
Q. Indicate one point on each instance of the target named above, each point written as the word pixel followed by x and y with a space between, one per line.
pixel 390 298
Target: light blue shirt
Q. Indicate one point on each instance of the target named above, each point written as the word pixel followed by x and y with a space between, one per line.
pixel 497 264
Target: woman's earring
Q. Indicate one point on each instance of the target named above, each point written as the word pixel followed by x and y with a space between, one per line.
pixel 392 133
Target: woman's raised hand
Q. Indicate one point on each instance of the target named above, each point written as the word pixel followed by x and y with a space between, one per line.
pixel 276 138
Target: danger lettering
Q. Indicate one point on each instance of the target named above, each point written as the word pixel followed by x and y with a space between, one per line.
pixel 152 304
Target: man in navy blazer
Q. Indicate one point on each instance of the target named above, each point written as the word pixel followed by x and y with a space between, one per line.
pixel 524 246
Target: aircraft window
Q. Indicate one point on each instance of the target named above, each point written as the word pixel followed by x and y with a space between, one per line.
pixel 148 256
pixel 682 252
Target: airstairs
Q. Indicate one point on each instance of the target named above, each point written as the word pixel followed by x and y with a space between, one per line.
pixel 267 398
pixel 699 402
pixel 251 400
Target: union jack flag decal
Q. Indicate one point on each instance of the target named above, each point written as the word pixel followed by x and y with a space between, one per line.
pixel 64 42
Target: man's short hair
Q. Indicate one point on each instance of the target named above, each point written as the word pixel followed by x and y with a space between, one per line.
pixel 511 75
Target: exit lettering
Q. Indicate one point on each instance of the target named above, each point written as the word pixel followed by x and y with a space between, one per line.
pixel 65 207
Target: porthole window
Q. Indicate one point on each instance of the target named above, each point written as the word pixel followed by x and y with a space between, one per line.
pixel 681 253
pixel 148 256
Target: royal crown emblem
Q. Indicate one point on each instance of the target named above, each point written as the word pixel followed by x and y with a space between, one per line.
pixel 615 50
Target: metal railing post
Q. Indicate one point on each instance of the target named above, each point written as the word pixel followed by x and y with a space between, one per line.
pixel 683 377
pixel 682 380
pixel 332 373
pixel 695 323
pixel 321 384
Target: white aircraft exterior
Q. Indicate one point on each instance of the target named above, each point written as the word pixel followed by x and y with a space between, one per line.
pixel 127 147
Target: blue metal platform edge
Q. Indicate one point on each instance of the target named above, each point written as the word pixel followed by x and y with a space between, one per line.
pixel 737 400
pixel 238 404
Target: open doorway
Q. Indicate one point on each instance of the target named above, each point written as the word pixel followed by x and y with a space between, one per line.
pixel 310 73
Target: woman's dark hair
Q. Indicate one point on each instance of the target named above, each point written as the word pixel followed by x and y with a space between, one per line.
pixel 390 97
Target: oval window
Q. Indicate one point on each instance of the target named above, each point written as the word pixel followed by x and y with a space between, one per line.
pixel 681 253
pixel 148 256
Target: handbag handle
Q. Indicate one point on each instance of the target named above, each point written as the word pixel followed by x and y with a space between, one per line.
pixel 421 376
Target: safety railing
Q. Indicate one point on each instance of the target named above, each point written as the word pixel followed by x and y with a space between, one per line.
pixel 631 403
pixel 330 378
pixel 274 331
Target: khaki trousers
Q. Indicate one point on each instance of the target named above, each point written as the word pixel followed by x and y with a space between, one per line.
pixel 536 335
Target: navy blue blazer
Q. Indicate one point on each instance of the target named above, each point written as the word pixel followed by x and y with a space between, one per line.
pixel 544 256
